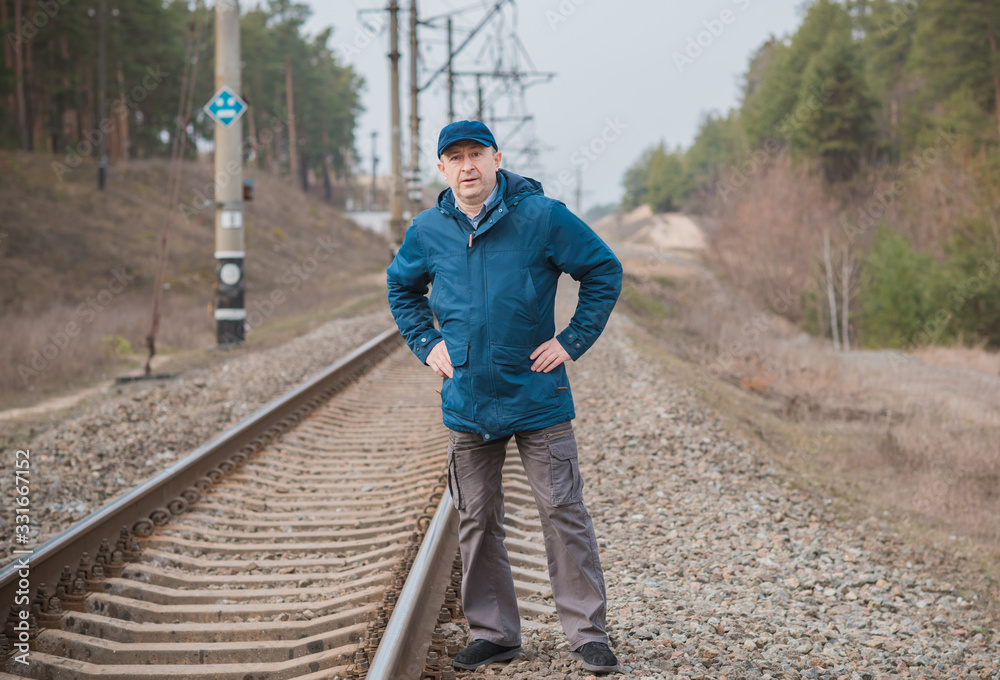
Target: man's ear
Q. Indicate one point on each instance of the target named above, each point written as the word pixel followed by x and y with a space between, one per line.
pixel 441 169
pixel 496 159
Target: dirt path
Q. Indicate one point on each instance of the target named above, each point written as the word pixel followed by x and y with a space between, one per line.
pixel 53 404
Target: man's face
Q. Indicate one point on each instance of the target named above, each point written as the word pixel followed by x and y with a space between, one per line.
pixel 470 169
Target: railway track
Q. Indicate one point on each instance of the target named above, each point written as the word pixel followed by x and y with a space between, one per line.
pixel 314 540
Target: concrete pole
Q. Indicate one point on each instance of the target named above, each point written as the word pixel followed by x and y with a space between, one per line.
pixel 396 224
pixel 414 115
pixel 102 91
pixel 230 245
pixel 451 79
pixel 479 98
pixel 374 171
pixel 293 151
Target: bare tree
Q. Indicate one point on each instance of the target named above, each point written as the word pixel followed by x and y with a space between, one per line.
pixel 845 297
pixel 830 292
pixel 993 53
pixel 18 43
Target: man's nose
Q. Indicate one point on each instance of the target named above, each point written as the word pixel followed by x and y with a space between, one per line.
pixel 467 164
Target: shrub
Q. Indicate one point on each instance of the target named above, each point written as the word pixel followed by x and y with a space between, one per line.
pixel 969 288
pixel 897 291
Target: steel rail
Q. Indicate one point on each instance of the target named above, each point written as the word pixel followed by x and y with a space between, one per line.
pixel 403 649
pixel 169 492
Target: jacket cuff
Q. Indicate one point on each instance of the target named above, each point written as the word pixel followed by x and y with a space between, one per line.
pixel 572 343
pixel 423 345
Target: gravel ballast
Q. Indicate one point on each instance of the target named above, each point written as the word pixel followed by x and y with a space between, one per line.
pixel 716 566
pixel 132 432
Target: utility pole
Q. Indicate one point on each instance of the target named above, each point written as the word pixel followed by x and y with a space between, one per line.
pixel 579 191
pixel 479 98
pixel 396 224
pixel 230 247
pixel 374 166
pixel 102 91
pixel 451 78
pixel 414 116
pixel 293 168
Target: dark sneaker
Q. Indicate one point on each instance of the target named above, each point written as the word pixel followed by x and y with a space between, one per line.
pixel 597 657
pixel 482 652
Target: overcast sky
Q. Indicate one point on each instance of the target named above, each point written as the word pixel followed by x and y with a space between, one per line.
pixel 630 73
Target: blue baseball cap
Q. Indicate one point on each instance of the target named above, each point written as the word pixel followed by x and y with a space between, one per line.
pixel 465 130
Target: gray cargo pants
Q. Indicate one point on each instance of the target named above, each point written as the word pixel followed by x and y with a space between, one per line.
pixel 549 457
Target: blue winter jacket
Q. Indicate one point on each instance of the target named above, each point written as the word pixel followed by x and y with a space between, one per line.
pixel 494 299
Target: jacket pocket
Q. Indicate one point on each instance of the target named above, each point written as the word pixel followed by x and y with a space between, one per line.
pixel 456 391
pixel 567 484
pixel 519 389
pixel 530 297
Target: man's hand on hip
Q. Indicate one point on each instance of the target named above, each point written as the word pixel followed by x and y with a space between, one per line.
pixel 439 360
pixel 548 355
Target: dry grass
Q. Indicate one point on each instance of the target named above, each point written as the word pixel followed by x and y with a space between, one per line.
pixel 920 439
pixel 765 236
pixel 918 433
pixel 969 358
pixel 943 469
pixel 925 197
pixel 78 268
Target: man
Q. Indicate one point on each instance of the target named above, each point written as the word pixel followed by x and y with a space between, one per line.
pixel 492 250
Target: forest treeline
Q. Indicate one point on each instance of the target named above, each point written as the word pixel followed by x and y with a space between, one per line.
pixel 859 173
pixel 303 103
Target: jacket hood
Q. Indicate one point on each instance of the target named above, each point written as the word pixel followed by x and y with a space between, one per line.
pixel 515 187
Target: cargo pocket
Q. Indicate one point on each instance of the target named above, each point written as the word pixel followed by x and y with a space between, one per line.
pixel 453 485
pixel 567 485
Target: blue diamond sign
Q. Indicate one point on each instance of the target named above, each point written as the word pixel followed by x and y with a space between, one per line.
pixel 225 106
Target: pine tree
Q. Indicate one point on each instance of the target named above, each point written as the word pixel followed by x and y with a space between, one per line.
pixel 887 28
pixel 954 56
pixel 666 181
pixel 839 130
pixel 768 106
pixel 635 181
pixel 719 145
pixel 896 291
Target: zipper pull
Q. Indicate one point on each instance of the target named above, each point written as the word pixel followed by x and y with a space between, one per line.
pixel 470 240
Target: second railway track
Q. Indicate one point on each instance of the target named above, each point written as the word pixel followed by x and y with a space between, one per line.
pixel 282 567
